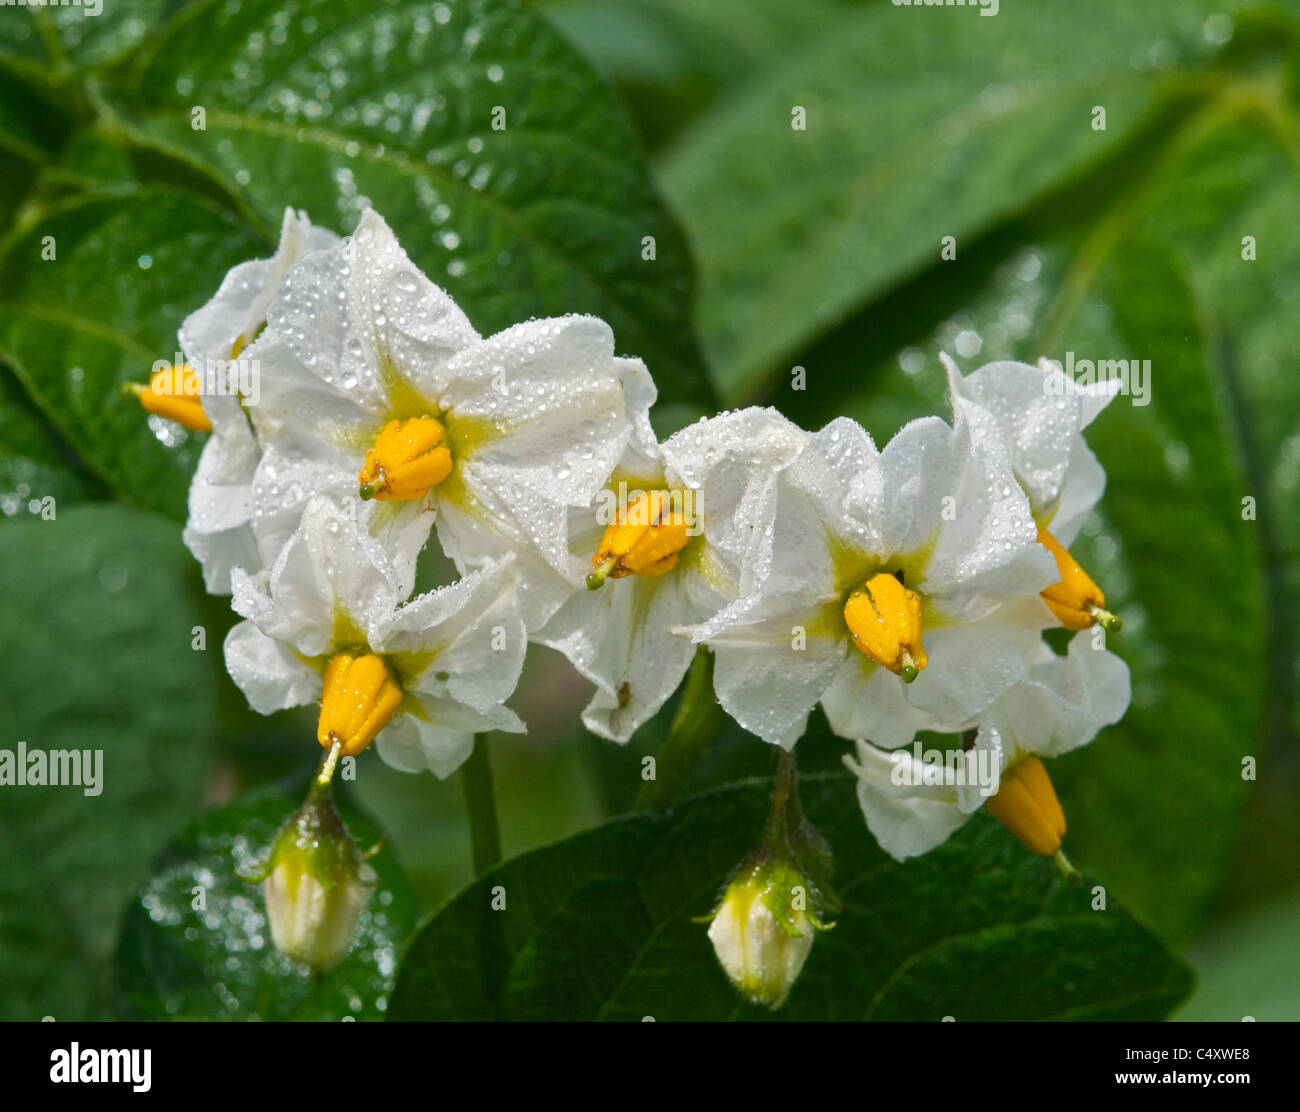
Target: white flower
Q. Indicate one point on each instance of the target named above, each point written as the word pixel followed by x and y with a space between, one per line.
pixel 912 805
pixel 1042 414
pixel 680 530
pixel 872 552
pixel 226 328
pixel 326 623
pixel 378 387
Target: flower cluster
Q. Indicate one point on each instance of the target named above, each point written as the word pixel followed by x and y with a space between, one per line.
pixel 905 589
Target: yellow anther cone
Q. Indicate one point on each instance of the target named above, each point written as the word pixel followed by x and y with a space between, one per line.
pixel 1026 804
pixel 173 392
pixel 885 620
pixel 358 699
pixel 1076 600
pixel 649 542
pixel 407 460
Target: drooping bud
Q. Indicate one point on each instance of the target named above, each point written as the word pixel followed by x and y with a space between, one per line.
pixel 763 929
pixel 761 949
pixel 648 541
pixel 358 699
pixel 316 883
pixel 1076 600
pixel 1026 804
pixel 407 460
pixel 884 618
pixel 173 392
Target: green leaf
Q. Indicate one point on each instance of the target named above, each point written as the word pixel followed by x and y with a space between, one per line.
pixel 1245 162
pixel 1248 967
pixel 95 631
pixel 35 461
pixel 20 39
pixel 217 961
pixel 796 228
pixel 600 927
pixel 91 33
pixel 672 60
pixel 128 268
pixel 31 124
pixel 1154 807
pixel 339 107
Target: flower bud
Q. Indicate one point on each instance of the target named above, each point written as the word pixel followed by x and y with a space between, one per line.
pixel 764 926
pixel 762 934
pixel 316 884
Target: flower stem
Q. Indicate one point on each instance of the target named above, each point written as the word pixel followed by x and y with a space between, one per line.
pixel 325 774
pixel 785 794
pixel 696 724
pixel 480 803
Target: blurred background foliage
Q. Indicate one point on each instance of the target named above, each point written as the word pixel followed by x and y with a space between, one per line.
pixel 776 249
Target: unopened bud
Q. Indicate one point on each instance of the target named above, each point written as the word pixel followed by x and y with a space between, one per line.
pixel 316 884
pixel 762 935
pixel 775 903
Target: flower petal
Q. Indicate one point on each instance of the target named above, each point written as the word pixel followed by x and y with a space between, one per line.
pixel 1041 413
pixel 239 306
pixel 220 505
pixel 267 673
pixel 441 740
pixel 988 552
pixel 971 664
pixel 622 639
pixel 472 538
pixel 330 570
pixel 1036 412
pixel 733 463
pixel 762 678
pixel 865 701
pixel 1085 483
pixel 898 502
pixel 462 643
pixel 906 820
pixel 1064 702
pixel 537 419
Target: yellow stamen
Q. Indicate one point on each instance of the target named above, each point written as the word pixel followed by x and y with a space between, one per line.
pixel 649 542
pixel 885 620
pixel 173 392
pixel 407 460
pixel 1026 804
pixel 1076 600
pixel 358 700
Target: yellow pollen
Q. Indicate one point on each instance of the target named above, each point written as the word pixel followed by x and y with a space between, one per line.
pixel 1076 600
pixel 358 699
pixel 407 460
pixel 885 620
pixel 1026 804
pixel 173 392
pixel 648 541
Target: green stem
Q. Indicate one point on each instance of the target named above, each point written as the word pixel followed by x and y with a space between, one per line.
pixel 696 724
pixel 785 795
pixel 480 803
